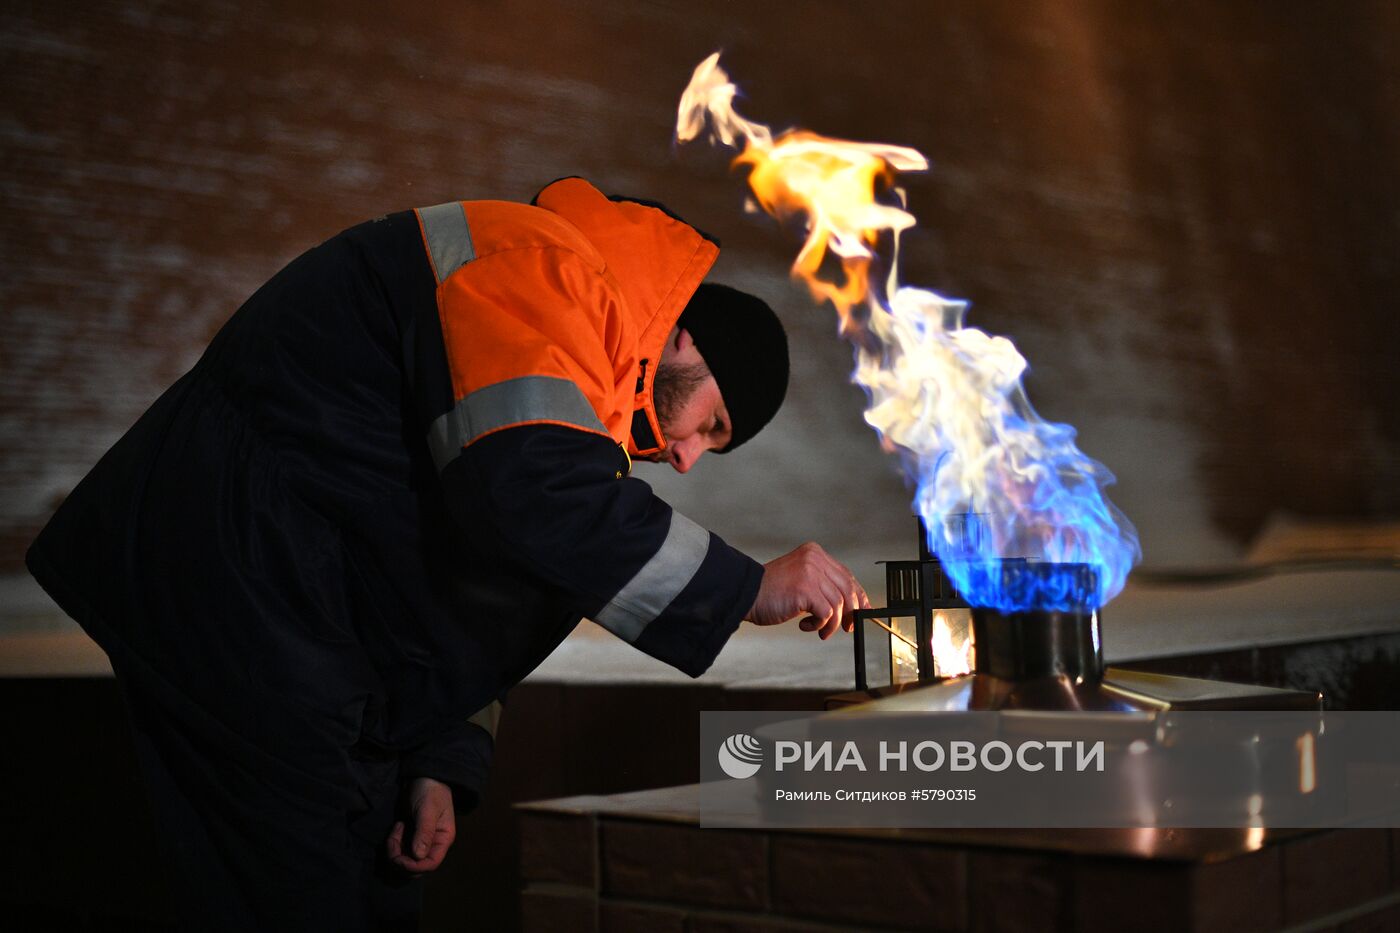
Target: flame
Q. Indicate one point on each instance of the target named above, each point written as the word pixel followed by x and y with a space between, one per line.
pixel 946 398
pixel 952 652
pixel 904 662
pixel 952 655
pixel 1307 764
pixel 828 183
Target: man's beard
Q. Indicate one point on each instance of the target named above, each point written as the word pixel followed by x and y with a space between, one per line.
pixel 673 387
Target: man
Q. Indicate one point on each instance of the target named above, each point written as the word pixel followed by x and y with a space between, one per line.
pixel 395 481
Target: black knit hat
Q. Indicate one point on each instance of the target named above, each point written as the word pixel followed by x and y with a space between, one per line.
pixel 744 346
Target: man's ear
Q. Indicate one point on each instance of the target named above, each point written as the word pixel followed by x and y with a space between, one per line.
pixel 676 344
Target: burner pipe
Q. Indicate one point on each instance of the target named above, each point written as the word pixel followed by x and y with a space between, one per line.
pixel 1038 643
pixel 1033 643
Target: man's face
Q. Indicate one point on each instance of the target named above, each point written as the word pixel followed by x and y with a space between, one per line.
pixel 688 405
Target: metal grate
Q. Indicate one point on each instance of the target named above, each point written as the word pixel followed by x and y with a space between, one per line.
pixel 902 584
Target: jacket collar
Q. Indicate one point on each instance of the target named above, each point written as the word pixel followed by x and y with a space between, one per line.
pixel 657 261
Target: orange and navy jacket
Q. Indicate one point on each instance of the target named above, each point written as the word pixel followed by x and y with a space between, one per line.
pixel 395 481
pixel 556 312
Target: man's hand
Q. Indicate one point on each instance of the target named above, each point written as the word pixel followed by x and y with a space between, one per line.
pixel 809 580
pixel 434 828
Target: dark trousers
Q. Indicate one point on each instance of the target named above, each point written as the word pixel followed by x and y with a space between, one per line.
pixel 255 842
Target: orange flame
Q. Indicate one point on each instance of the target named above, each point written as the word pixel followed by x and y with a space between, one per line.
pixel 952 650
pixel 834 183
pixel 952 654
pixel 831 184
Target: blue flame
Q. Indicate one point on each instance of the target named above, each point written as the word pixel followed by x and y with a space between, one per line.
pixel 946 398
pixel 1016 512
pixel 1051 540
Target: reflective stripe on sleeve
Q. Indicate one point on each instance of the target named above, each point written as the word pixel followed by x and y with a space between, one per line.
pixel 487 717
pixel 515 401
pixel 660 581
pixel 449 238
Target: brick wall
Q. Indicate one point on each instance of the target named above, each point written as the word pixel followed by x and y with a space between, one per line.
pixel 1186 214
pixel 611 872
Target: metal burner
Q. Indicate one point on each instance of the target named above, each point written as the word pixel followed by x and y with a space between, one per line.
pixel 1029 645
pixel 1035 660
